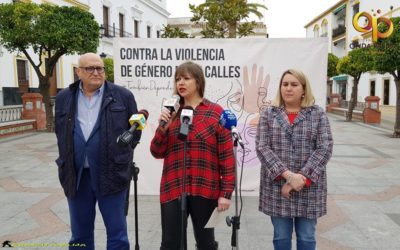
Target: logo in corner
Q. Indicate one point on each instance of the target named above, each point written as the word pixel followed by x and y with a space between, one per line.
pixel 372 24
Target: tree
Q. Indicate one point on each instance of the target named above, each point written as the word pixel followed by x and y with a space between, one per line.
pixel 170 32
pixel 332 63
pixel 387 57
pixel 44 33
pixel 109 68
pixel 357 62
pixel 223 17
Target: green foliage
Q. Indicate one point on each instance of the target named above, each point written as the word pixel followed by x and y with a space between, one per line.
pixel 387 59
pixel 47 28
pixel 332 63
pixel 387 51
pixel 170 32
pixel 109 65
pixel 50 31
pixel 358 61
pixel 224 17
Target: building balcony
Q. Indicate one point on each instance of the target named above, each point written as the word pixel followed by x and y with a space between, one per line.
pixel 338 31
pixel 111 32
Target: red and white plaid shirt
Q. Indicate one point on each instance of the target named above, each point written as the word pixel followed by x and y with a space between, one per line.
pixel 209 156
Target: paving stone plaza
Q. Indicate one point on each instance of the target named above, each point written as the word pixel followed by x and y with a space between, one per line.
pixel 363 197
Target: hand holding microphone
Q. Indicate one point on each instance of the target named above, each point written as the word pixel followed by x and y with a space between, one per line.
pixel 138 122
pixel 170 106
pixel 229 121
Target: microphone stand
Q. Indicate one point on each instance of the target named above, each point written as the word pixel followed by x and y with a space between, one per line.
pixel 234 221
pixel 135 171
pixel 184 201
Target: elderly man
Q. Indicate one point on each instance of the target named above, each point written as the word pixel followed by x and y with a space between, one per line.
pixel 90 114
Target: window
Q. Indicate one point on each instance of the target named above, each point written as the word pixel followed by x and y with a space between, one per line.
pixel 356 8
pixel 372 88
pixel 316 31
pixel 106 21
pixel 121 25
pixel 324 28
pixel 148 31
pixel 136 25
pixel 22 71
pixel 23 75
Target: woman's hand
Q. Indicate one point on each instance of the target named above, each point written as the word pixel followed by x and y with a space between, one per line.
pixel 166 116
pixel 297 182
pixel 286 189
pixel 223 204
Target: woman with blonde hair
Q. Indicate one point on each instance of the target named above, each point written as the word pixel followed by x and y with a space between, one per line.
pixel 294 144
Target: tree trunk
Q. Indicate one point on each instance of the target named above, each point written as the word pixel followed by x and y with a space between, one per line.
pixel 396 133
pixel 48 103
pixel 232 30
pixel 353 100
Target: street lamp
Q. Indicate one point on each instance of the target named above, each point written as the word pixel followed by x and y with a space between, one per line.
pixel 102 29
pixel 103 55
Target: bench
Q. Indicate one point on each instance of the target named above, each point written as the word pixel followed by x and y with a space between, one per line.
pixel 17 127
pixel 357 114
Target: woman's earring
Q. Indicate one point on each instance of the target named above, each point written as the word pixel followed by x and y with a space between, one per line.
pixel 302 96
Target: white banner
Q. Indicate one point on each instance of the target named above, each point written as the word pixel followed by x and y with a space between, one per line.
pixel 241 75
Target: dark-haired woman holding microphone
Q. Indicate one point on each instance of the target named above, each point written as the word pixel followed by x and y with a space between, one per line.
pixel 209 168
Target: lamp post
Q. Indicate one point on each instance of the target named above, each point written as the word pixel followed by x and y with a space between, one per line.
pixel 102 30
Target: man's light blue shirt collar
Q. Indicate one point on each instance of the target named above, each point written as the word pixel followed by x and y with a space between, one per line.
pixel 98 91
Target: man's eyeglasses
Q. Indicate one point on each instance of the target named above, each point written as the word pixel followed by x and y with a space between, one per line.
pixel 91 69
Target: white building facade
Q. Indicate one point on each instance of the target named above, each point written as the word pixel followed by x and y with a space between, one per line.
pixel 194 30
pixel 118 18
pixel 337 24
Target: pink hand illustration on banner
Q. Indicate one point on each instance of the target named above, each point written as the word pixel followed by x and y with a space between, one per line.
pixel 255 89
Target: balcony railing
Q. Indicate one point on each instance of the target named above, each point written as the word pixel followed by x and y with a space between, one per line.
pixel 339 30
pixel 111 31
pixel 10 113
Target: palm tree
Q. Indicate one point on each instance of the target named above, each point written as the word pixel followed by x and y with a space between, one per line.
pixel 224 16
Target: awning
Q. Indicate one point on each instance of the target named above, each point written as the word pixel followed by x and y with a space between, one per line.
pixel 338 9
pixel 340 78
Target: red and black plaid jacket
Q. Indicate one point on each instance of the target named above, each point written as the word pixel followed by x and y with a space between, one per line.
pixel 209 157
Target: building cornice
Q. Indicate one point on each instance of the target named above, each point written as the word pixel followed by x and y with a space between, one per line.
pixel 325 13
pixel 78 4
pixel 155 7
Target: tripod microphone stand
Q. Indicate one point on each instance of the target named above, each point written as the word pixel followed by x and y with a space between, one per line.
pixel 234 221
pixel 135 171
pixel 184 202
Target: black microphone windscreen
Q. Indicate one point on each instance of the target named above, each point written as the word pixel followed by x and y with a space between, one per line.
pixel 144 112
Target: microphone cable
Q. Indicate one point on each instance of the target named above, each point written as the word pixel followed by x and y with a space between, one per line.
pixel 240 183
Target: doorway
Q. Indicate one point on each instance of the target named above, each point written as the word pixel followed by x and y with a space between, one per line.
pixel 386 91
pixel 372 88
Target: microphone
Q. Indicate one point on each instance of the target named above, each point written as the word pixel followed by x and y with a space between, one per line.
pixel 229 121
pixel 138 122
pixel 186 121
pixel 172 105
